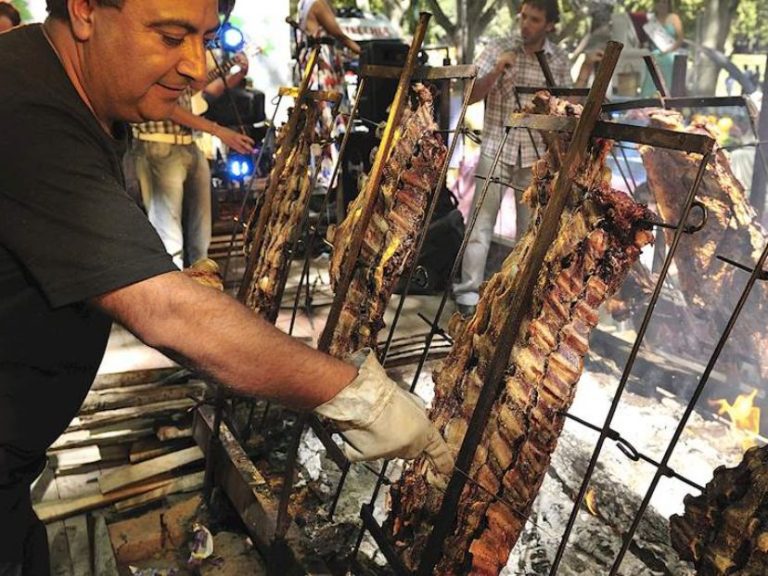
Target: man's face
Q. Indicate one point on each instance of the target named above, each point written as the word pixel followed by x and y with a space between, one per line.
pixel 533 24
pixel 139 59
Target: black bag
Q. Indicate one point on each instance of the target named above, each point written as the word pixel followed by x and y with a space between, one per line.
pixel 441 246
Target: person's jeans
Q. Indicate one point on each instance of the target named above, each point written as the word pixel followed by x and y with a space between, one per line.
pixel 476 253
pixel 175 184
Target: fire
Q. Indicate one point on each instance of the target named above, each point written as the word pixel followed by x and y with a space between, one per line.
pixel 744 415
pixel 590 499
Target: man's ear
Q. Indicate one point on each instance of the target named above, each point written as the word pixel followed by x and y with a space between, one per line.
pixel 550 27
pixel 81 18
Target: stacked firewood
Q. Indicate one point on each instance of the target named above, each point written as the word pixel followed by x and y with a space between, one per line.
pixel 601 234
pixel 409 178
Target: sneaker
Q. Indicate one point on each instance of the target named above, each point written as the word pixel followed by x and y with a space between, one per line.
pixel 466 310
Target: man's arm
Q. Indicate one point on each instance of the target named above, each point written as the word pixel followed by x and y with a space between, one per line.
pixel 484 84
pixel 211 332
pixel 325 17
pixel 239 142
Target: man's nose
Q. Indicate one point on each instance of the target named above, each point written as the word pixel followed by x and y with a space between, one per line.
pixel 192 64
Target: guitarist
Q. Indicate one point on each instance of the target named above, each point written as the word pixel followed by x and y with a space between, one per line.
pixel 173 172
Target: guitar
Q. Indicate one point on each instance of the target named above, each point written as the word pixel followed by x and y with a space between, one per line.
pixel 199 104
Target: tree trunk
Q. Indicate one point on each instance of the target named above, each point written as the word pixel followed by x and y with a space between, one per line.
pixel 717 18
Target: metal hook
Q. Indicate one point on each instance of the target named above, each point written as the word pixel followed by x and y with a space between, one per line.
pixel 689 228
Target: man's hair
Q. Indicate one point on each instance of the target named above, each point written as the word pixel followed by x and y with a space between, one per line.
pixel 58 8
pixel 7 10
pixel 549 7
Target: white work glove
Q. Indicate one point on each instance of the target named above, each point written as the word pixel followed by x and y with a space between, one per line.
pixel 379 419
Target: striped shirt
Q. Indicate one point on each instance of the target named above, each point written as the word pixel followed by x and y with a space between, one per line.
pixel 166 126
pixel 500 101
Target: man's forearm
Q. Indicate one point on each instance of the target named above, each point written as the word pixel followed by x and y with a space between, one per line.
pixel 483 86
pixel 212 333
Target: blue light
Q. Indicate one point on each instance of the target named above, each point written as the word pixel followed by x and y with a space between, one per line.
pixel 239 167
pixel 232 39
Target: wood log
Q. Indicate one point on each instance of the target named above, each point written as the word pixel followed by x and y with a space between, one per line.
pixel 53 510
pixel 104 563
pixel 139 396
pixel 725 530
pixel 134 473
pixel 108 435
pixel 188 483
pixel 149 448
pixel 132 378
pixel 118 415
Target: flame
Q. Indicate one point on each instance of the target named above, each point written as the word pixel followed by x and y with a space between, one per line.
pixel 590 499
pixel 744 415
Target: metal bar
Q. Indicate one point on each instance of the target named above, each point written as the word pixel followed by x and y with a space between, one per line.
pixel 463 71
pixel 519 108
pixel 630 363
pixel 369 523
pixel 662 470
pixel 281 157
pixel 213 441
pixel 554 90
pixel 441 307
pixel 656 75
pixel 626 448
pixel 676 103
pixel 372 186
pixel 525 283
pixel 650 136
pixel 251 496
pixel 428 216
pixel 629 167
pixel 353 252
pixel 313 232
pixel 549 78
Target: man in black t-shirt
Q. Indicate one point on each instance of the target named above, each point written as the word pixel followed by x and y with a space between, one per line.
pixel 77 253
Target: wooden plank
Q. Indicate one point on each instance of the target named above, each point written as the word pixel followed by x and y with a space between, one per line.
pixel 619 132
pixel 104 563
pixel 149 448
pixel 74 457
pixel 108 417
pixel 58 548
pixel 79 545
pixel 109 435
pixel 251 496
pixel 53 510
pixel 188 483
pixel 132 378
pixel 134 396
pixel 133 473
pixel 462 71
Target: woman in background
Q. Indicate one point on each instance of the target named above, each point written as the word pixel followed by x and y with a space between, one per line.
pixel 9 16
pixel 665 56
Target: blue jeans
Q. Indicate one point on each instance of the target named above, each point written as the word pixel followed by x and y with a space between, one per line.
pixel 175 184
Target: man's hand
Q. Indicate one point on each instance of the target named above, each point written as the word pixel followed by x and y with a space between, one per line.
pixel 235 140
pixel 381 420
pixel 504 61
pixel 242 61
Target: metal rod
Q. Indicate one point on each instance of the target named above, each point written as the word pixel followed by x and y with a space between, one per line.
pixel 661 471
pixel 629 167
pixel 214 439
pixel 626 448
pixel 525 283
pixel 549 78
pixel 429 215
pixel 656 76
pixel 372 186
pixel 630 363
pixel 281 157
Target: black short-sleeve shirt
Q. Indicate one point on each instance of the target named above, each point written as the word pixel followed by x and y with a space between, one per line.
pixel 68 232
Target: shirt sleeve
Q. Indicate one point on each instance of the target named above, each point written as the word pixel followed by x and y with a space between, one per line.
pixel 487 59
pixel 64 213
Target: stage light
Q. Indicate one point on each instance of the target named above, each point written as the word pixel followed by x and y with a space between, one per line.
pixel 232 39
pixel 239 167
